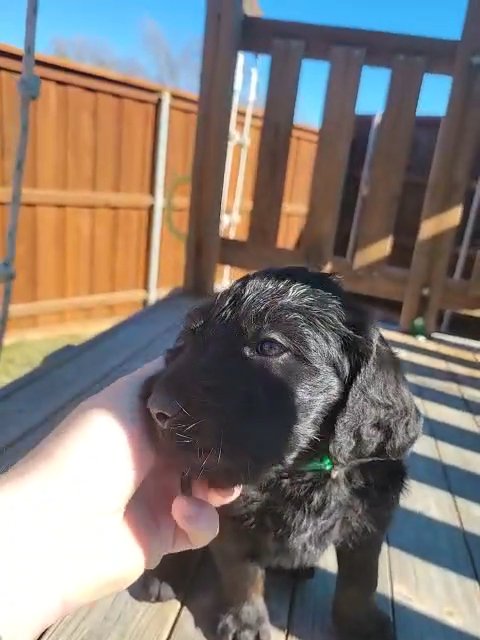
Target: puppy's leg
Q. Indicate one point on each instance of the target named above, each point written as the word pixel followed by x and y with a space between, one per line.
pixel 355 613
pixel 246 617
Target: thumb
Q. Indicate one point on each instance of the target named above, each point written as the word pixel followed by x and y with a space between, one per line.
pixel 197 523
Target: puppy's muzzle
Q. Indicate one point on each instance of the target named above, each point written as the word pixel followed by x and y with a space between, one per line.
pixel 162 407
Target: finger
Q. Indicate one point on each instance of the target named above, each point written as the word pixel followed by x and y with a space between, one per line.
pixel 153 532
pixel 216 497
pixel 127 403
pixel 220 497
pixel 200 489
pixel 197 523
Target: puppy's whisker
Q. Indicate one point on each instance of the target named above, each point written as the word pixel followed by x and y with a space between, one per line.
pixel 183 437
pixel 220 448
pixel 202 468
pixel 183 408
pixel 194 424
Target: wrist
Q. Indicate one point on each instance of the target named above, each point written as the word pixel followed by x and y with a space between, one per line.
pixel 29 600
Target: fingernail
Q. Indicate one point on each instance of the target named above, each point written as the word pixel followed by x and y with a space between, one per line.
pixel 228 493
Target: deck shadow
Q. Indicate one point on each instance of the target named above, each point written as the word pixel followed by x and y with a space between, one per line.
pixel 302 610
pixel 409 624
pixel 413 533
pixel 201 594
pixel 396 343
pixel 457 436
pixel 434 372
pixel 460 482
pixel 454 401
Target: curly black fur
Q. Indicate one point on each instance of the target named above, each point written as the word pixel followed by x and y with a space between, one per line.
pixel 237 415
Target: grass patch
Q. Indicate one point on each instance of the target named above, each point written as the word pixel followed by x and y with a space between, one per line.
pixel 20 357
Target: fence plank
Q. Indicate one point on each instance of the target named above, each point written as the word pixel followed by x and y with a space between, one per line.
pixel 447 180
pixel 132 146
pixel 31 163
pixel 107 179
pixel 333 149
pixel 107 143
pixel 8 123
pixel 129 180
pixel 80 132
pixel 50 275
pixel 388 164
pixel 275 141
pixel 46 139
pixel 48 225
pixel 78 239
pixel 222 39
pixel 3 120
pixel 80 120
pixel 25 280
pixel 103 255
pixel 124 266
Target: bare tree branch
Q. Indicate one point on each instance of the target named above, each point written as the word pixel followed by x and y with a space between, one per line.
pixel 156 58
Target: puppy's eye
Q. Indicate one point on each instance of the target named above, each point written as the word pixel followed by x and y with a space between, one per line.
pixel 270 348
pixel 174 351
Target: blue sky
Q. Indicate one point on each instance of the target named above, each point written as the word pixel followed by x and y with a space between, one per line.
pixel 117 22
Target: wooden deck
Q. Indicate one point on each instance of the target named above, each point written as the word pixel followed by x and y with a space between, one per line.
pixel 430 563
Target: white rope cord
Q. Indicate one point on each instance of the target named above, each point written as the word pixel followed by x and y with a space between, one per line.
pixel 29 86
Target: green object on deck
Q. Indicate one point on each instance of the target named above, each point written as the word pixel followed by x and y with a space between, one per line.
pixel 418 328
pixel 325 463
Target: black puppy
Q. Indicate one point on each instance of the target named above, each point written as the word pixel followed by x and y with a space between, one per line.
pixel 281 384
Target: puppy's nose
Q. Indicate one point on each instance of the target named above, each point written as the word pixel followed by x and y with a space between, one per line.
pixel 162 407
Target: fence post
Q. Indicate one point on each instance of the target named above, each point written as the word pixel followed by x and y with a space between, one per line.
pixel 221 43
pixel 158 196
pixel 442 208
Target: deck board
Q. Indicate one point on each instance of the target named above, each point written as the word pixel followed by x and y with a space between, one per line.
pixel 436 593
pixel 430 563
pixel 130 617
pixel 450 420
pixel 310 615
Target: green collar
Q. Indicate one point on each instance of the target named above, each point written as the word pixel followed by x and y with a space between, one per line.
pixel 325 464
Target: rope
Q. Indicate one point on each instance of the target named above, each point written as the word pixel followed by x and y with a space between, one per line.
pixel 29 88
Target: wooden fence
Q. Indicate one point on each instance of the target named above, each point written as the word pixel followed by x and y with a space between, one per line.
pixel 84 225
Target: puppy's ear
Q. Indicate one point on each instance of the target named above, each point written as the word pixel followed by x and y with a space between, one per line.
pixel 379 417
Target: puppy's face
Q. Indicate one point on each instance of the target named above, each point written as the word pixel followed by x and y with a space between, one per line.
pixel 254 375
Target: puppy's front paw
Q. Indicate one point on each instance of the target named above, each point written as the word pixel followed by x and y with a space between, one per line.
pixel 149 588
pixel 247 622
pixel 368 624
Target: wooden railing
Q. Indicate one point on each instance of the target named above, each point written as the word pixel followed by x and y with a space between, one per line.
pixel 347 50
pixel 87 202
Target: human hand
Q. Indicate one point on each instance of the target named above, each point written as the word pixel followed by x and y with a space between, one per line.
pixel 105 502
